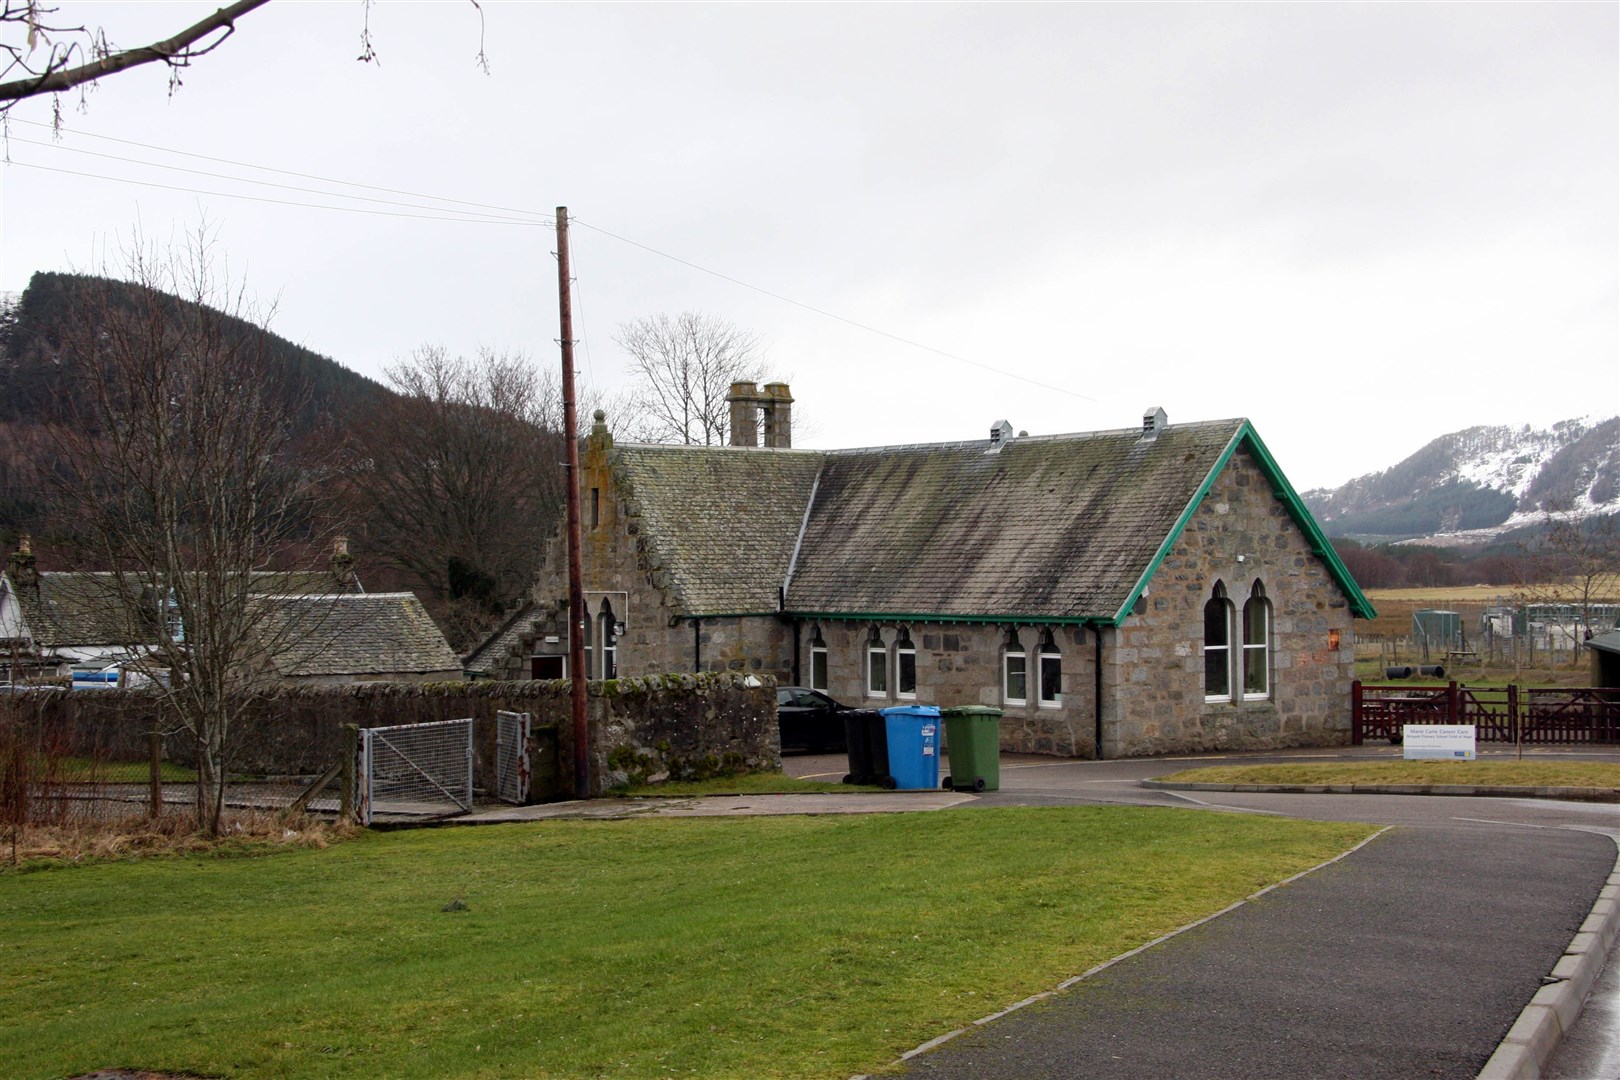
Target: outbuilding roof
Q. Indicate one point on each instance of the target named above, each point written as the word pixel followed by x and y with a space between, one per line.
pixel 354 634
pixel 68 608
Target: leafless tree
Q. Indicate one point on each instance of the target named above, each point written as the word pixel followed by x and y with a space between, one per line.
pixel 682 369
pixel 179 479
pixel 461 479
pixel 42 53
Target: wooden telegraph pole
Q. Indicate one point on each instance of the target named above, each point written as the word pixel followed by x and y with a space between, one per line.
pixel 577 669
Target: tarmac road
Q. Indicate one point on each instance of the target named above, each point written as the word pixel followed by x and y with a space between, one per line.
pixel 1409 958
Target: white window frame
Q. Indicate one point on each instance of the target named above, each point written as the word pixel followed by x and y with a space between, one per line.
pixel 876 649
pixel 1007 657
pixel 818 664
pixel 903 648
pixel 1048 653
pixel 1218 596
pixel 1262 649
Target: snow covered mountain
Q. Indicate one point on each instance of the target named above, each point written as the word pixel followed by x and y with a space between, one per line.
pixel 1473 486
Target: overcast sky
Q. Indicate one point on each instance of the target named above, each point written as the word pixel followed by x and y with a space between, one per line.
pixel 1359 225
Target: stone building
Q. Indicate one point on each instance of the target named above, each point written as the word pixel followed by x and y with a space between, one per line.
pixel 1150 590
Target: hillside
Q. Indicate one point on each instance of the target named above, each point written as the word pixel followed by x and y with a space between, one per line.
pixel 1475 486
pixel 35 374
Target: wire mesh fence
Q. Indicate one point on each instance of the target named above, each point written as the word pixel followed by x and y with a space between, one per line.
pixel 416 769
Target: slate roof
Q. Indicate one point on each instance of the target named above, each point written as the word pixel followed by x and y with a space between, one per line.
pixel 721 521
pixel 1060 527
pixel 355 634
pixel 1048 527
pixel 1607 642
pixel 74 608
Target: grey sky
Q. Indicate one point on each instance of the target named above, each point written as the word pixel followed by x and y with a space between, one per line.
pixel 1360 225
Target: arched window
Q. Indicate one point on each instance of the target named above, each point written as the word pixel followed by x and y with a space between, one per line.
pixel 1218 646
pixel 1014 671
pixel 1257 643
pixel 609 642
pixel 905 666
pixel 877 665
pixel 1050 673
pixel 818 661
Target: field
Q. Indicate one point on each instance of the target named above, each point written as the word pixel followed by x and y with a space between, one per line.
pixel 757 947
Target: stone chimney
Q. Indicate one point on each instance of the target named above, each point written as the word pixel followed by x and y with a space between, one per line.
pixel 342 563
pixel 744 402
pixel 21 564
pixel 1153 422
pixel 777 405
pixel 755 410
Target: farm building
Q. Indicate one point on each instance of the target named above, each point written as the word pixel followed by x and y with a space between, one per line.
pixel 1149 590
pixel 319 626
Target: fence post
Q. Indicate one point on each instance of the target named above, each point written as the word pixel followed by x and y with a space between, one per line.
pixel 351 750
pixel 1452 710
pixel 1513 711
pixel 1355 713
pixel 154 790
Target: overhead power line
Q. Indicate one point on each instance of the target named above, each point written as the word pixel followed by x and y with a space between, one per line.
pixel 483 214
pixel 833 315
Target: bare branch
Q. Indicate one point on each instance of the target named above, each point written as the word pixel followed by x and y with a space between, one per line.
pixel 56 74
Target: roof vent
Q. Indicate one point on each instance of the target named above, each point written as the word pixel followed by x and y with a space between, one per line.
pixel 1001 433
pixel 1153 422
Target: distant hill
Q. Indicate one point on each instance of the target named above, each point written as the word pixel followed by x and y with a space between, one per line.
pixel 34 372
pixel 1479 485
pixel 39 378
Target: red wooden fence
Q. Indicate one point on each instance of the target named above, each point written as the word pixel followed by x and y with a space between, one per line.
pixel 1502 714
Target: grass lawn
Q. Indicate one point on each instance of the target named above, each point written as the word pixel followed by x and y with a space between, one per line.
pixel 736 947
pixel 760 783
pixel 1496 773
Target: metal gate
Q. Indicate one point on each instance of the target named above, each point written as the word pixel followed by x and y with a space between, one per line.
pixel 512 756
pixel 416 770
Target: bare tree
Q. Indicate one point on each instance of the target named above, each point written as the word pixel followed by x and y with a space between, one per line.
pixel 462 480
pixel 178 477
pixel 53 55
pixel 683 368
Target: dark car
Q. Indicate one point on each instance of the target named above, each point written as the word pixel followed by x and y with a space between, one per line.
pixel 809 720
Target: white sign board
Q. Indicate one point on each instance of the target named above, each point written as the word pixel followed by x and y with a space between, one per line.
pixel 1438 742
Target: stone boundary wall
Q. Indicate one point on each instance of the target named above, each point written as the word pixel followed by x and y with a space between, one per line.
pixel 679 726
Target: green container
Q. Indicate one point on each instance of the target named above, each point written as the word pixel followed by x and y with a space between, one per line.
pixel 973 740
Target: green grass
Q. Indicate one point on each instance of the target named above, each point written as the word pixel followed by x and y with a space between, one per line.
pixel 760 783
pixel 733 947
pixel 1495 773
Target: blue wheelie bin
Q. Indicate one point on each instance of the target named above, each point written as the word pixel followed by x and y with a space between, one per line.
pixel 913 735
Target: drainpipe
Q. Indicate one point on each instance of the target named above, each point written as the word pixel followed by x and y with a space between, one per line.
pixel 1097 690
pixel 697 646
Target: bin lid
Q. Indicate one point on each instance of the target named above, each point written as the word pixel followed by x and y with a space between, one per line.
pixel 930 711
pixel 971 710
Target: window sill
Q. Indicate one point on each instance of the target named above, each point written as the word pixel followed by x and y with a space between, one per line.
pixel 1051 704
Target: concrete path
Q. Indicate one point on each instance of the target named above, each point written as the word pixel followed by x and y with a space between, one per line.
pixel 1399 961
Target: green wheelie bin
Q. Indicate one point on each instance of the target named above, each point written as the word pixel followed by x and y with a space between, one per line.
pixel 973 741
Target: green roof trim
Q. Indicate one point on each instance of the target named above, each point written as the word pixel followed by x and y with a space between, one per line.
pixel 905 617
pixel 1360 606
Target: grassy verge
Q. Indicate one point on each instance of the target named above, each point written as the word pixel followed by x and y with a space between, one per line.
pixel 759 947
pixel 762 783
pixel 1495 773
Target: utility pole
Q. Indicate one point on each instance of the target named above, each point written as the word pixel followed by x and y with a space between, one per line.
pixel 578 671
